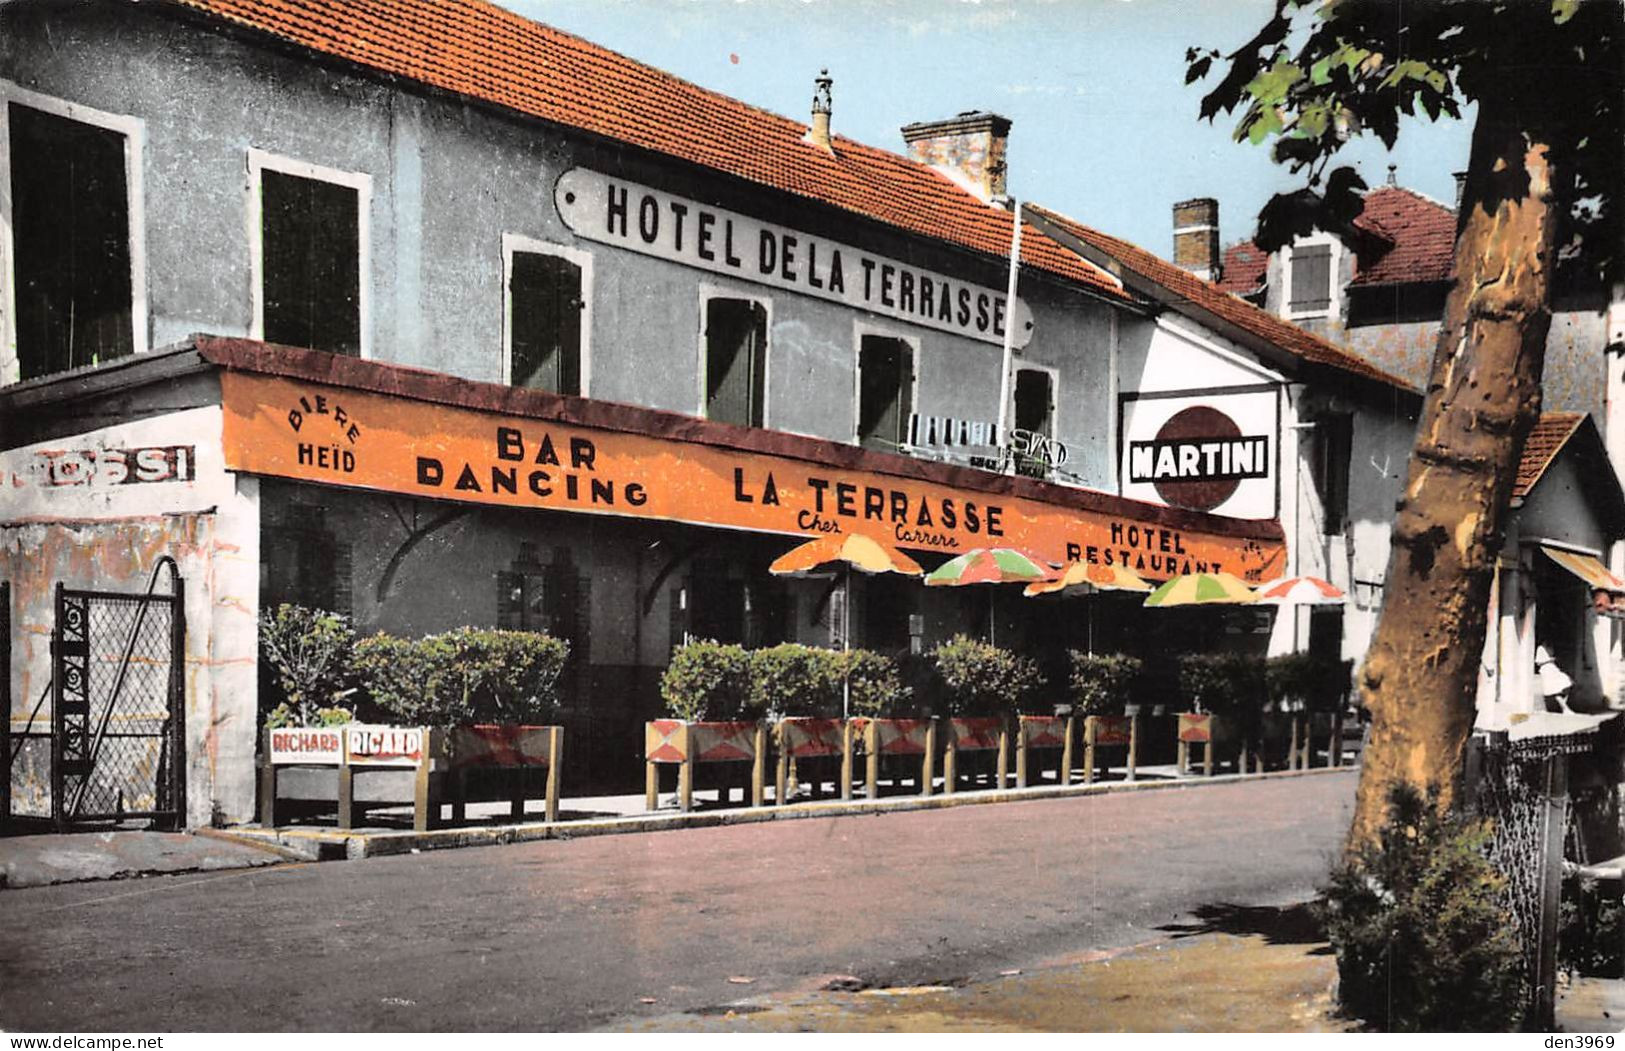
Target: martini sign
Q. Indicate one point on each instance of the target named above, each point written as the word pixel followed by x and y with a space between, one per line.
pixel 1212 452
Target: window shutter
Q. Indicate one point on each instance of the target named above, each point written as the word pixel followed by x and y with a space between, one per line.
pixel 1311 278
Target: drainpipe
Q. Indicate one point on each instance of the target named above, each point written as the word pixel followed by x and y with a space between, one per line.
pixel 1008 464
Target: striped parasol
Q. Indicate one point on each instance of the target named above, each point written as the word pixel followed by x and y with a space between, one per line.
pixel 1301 591
pixel 863 553
pixel 989 565
pixel 1202 589
pixel 1086 577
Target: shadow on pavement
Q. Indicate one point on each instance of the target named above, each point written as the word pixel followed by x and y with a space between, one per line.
pixel 1289 925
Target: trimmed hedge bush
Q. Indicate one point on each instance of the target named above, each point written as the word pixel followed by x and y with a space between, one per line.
pixel 310 652
pixel 1103 683
pixel 465 676
pixel 1319 684
pixel 708 682
pixel 1424 943
pixel 982 679
pixel 1230 685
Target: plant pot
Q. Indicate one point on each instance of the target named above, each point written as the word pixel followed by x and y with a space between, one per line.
pixel 877 737
pixel 810 737
pixel 1035 732
pixel 685 744
pixel 976 733
pixel 506 746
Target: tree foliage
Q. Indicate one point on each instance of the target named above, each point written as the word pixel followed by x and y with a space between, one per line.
pixel 1318 74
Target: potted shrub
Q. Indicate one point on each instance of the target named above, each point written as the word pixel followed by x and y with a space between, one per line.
pixel 713 718
pixel 982 687
pixel 491 696
pixel 885 724
pixel 801 688
pixel 1292 679
pixel 1103 686
pixel 309 653
pixel 1228 695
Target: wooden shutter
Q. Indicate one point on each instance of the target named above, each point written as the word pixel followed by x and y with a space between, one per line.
pixel 1311 278
pixel 736 361
pixel 545 322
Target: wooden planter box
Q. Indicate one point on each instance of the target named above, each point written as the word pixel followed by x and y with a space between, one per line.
pixel 905 737
pixel 983 733
pixel 808 737
pixel 1196 729
pixel 403 764
pixel 1035 732
pixel 510 747
pixel 683 744
pixel 1110 731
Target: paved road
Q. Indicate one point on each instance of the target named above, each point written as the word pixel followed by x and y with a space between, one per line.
pixel 570 935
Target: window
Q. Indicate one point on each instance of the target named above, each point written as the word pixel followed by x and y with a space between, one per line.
pixel 302 559
pixel 1331 447
pixel 1035 414
pixel 885 392
pixel 310 254
pixel 548 318
pixel 736 361
pixel 75 236
pixel 1310 285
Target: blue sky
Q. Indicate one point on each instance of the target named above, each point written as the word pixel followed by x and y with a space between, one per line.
pixel 1104 127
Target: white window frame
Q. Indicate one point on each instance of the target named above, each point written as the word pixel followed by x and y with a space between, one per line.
pixel 709 292
pixel 1334 270
pixel 259 161
pixel 1018 366
pixel 134 130
pixel 869 328
pixel 512 243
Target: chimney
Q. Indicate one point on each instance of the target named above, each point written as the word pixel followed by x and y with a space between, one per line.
pixel 1196 237
pixel 1461 187
pixel 818 131
pixel 969 149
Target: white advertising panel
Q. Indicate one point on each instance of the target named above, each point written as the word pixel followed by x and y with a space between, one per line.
pixel 307 746
pixel 384 745
pixel 1215 451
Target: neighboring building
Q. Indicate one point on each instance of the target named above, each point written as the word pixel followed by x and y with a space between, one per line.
pixel 506 329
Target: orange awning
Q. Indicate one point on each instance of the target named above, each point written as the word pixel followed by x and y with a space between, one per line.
pixel 1587 568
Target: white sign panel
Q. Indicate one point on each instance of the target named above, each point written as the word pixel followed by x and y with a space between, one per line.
pixel 627 215
pixel 1215 451
pixel 384 745
pixel 307 746
pixel 164 464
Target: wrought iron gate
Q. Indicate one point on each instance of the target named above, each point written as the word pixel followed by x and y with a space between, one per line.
pixel 118 707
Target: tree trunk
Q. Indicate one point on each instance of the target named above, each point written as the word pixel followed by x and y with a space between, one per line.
pixel 1420 677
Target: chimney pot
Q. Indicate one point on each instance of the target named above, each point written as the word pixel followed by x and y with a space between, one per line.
pixel 1461 187
pixel 969 148
pixel 1196 237
pixel 822 105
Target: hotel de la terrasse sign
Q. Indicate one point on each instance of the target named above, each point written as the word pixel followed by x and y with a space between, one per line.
pixel 613 211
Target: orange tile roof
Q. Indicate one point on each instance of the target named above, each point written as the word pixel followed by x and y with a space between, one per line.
pixel 1422 233
pixel 1551 432
pixel 1187 286
pixel 1242 269
pixel 478 50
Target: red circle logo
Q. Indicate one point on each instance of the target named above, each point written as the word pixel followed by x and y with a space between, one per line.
pixel 1197 423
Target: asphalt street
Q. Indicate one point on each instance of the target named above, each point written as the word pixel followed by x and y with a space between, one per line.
pixel 568 935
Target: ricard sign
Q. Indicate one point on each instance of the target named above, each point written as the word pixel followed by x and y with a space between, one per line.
pixel 613 211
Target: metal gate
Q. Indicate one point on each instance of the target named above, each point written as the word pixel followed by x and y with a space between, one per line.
pixel 118 705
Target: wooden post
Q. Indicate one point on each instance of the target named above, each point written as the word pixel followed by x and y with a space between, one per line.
pixel 267 781
pixel 1292 746
pixel 1184 759
pixel 1089 725
pixel 949 766
pixel 1335 752
pixel 1133 744
pixel 346 795
pixel 685 771
pixel 871 761
pixel 651 784
pixel 1306 742
pixel 1021 755
pixel 758 766
pixel 1004 755
pixel 928 762
pixel 555 770
pixel 1207 752
pixel 516 792
pixel 781 780
pixel 425 800
pixel 846 754
pixel 1066 750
